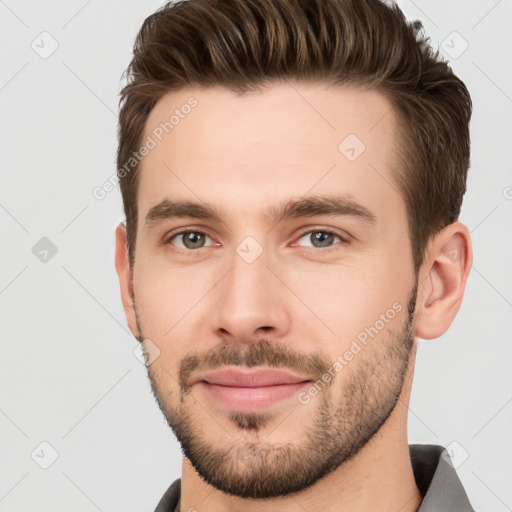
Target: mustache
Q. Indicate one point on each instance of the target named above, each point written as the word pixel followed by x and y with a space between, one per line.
pixel 262 353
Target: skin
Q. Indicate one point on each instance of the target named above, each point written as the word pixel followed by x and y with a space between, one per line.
pixel 347 448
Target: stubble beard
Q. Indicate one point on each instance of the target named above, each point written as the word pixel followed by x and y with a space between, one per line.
pixel 248 464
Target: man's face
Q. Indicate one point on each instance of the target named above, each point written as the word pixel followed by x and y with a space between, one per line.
pixel 309 290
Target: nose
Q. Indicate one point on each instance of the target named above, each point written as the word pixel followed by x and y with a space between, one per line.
pixel 251 303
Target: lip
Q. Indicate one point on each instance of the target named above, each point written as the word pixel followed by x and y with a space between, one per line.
pixel 250 378
pixel 248 391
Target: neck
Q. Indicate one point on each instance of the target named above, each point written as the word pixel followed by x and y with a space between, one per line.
pixel 378 478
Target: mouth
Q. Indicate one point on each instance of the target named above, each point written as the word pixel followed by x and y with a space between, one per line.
pixel 248 391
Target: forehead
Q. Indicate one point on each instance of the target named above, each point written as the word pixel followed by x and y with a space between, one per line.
pixel 285 141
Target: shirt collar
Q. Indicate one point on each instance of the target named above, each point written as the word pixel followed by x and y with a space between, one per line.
pixel 437 481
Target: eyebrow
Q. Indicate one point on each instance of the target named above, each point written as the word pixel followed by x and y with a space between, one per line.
pixel 304 207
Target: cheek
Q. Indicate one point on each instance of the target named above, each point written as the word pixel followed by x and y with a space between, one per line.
pixel 166 295
pixel 345 299
pixel 343 303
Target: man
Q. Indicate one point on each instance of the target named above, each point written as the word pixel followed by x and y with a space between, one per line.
pixel 292 174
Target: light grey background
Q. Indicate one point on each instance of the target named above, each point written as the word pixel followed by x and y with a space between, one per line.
pixel 68 373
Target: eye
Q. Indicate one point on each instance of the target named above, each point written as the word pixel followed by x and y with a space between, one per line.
pixel 190 239
pixel 320 238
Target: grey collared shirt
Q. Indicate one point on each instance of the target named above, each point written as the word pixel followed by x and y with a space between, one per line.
pixel 435 477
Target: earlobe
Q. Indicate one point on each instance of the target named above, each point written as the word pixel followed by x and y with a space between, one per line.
pixel 447 263
pixel 124 274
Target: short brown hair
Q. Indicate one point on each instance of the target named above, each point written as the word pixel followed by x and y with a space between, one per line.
pixel 246 44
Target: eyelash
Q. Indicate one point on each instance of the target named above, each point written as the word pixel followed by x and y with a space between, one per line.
pixel 343 240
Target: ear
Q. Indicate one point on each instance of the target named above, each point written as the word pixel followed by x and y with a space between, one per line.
pixel 125 279
pixel 443 278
